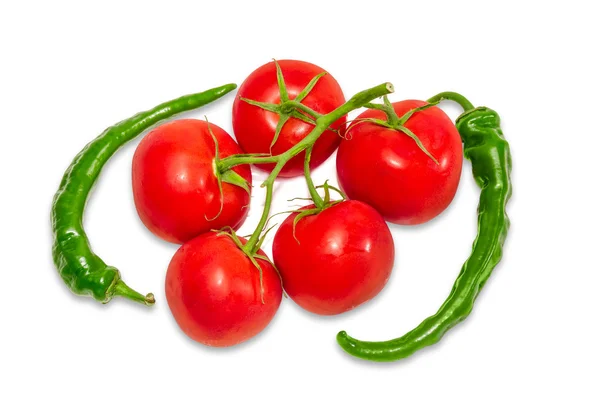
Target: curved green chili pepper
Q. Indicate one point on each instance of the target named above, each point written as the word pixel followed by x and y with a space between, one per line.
pixel 82 270
pixel 485 146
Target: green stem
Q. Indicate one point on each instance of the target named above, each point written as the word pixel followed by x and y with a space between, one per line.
pixel 235 160
pixel 306 109
pixel 309 182
pixel 390 112
pixel 458 98
pixel 359 100
pixel 249 246
pixel 324 121
pixel 321 124
pixel 121 289
pixel 338 191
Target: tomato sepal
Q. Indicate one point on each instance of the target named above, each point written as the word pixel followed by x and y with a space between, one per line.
pixel 233 178
pixel 325 204
pixel 231 234
pixel 252 254
pixel 393 121
pixel 288 108
pixel 228 176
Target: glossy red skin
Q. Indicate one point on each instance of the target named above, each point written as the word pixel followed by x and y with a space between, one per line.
pixel 345 257
pixel 254 128
pixel 213 291
pixel 385 168
pixel 174 186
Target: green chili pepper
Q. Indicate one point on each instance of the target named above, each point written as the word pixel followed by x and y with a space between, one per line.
pixel 485 146
pixel 82 270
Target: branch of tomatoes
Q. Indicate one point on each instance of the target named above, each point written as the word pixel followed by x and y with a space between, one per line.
pixel 321 124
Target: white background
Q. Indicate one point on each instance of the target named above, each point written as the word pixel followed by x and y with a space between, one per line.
pixel 69 70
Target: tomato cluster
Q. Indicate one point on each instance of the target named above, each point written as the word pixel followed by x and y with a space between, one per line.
pixel 400 163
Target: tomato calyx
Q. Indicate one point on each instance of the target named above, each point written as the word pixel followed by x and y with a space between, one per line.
pixel 227 176
pixel 393 121
pixel 327 187
pixel 289 108
pixel 252 254
pixel 324 204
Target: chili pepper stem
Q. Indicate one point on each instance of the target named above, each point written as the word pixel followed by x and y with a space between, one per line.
pixel 121 289
pixel 456 97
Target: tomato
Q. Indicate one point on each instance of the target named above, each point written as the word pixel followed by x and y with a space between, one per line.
pixel 214 291
pixel 343 257
pixel 385 168
pixel 175 189
pixel 254 128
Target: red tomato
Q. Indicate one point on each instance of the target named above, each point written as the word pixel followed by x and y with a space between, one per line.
pixel 385 168
pixel 254 127
pixel 344 258
pixel 174 186
pixel 214 292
